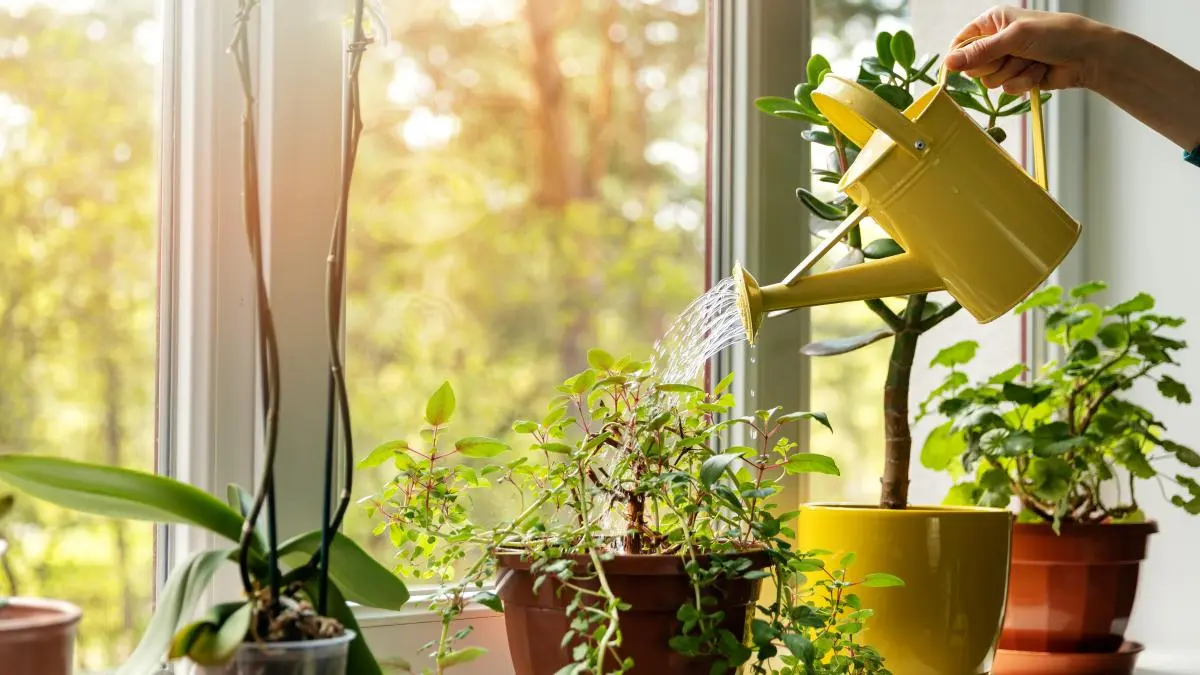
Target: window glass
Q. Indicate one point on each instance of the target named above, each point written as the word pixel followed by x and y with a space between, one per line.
pixel 79 102
pixel 530 185
pixel 849 386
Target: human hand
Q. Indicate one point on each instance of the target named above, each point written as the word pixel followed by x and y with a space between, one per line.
pixel 1024 49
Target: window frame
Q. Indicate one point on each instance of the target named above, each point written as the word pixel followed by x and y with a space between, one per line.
pixel 209 432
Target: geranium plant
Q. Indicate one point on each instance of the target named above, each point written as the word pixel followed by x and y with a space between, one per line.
pixel 622 465
pixel 894 73
pixel 1067 443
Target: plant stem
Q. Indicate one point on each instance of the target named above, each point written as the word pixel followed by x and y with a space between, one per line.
pixel 897 433
pixel 268 349
pixel 335 288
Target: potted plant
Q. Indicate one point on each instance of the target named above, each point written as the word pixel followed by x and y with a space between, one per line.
pixel 36 635
pixel 294 615
pixel 641 539
pixel 951 557
pixel 1068 448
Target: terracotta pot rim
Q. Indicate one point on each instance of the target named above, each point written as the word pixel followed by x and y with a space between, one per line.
pixel 639 564
pixel 1148 527
pixel 912 510
pixel 48 613
pixel 1128 648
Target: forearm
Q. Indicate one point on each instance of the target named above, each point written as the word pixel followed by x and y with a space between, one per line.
pixel 1150 84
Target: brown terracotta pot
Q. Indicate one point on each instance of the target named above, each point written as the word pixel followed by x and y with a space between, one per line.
pixel 655 585
pixel 38 636
pixel 1073 592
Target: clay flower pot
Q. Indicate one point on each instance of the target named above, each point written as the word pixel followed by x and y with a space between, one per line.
pixel 655 585
pixel 1073 592
pixel 38 636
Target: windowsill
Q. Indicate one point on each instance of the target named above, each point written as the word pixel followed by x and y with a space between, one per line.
pixel 1156 662
pixel 415 612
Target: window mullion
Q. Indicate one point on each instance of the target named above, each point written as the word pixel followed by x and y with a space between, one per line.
pixel 300 90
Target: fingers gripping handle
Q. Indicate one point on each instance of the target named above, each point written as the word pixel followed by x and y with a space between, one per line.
pixel 1041 174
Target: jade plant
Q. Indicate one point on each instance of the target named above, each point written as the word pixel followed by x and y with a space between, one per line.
pixel 294 590
pixel 1066 443
pixel 894 73
pixel 620 464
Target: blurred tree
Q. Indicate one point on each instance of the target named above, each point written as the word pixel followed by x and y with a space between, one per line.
pixel 78 101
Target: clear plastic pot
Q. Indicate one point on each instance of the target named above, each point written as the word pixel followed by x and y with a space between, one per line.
pixel 310 657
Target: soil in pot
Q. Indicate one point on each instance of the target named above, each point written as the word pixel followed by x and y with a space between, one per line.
pixel 38 636
pixel 654 585
pixel 1074 591
pixel 307 657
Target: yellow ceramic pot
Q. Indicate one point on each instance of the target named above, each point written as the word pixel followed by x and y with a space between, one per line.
pixel 946 620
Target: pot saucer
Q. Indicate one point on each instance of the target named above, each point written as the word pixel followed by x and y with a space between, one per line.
pixel 1121 662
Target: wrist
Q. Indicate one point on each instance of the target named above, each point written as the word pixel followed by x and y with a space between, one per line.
pixel 1108 56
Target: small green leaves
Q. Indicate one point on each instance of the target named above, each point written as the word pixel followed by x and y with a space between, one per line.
pixel 817 67
pixel 883 49
pixel 1142 302
pixel 715 466
pixel 1088 289
pixel 440 407
pixel 383 453
pixel 882 248
pixel 461 656
pixel 956 354
pixel 903 49
pixel 600 359
pixel 480 447
pixel 942 447
pixel 819 208
pixel 1047 297
pixel 820 417
pixel 1174 389
pixel 524 426
pixel 809 462
pixel 882 580
pixel 898 98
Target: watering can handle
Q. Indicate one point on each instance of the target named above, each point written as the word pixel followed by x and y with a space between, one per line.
pixel 1040 174
pixel 858 112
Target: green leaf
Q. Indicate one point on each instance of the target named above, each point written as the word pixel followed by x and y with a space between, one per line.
pixel 174 606
pixel 600 359
pixel 845 345
pixel 524 426
pixel 819 208
pixel 963 494
pixel 999 135
pixel 714 467
pixel 440 407
pixel 679 388
pixel 967 100
pixel 1113 335
pixel 774 104
pixel 1142 302
pixel 818 136
pixel 882 580
pixel 491 601
pixel 800 646
pixel 1047 297
pixel 883 49
pixel 956 81
pixel 1183 453
pixel 817 65
pixel 876 68
pixel 118 493
pixel 1005 99
pixel 1022 107
pixel 903 49
pixel 461 656
pixel 382 454
pixel 1007 375
pixel 356 573
pixel 942 447
pixel 804 98
pixel 810 462
pixel 1128 452
pixel 1088 289
pixel 360 661
pixel 847 560
pixel 895 96
pixel 820 417
pixel 1022 395
pixel 231 625
pixel 479 447
pixel 242 502
pixel 1174 389
pixel 1050 478
pixel 556 448
pixel 882 248
pixel 956 354
pixel 1084 351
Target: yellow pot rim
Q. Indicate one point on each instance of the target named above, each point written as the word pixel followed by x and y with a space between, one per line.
pixel 880 512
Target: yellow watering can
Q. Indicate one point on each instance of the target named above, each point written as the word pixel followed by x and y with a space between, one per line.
pixel 969 218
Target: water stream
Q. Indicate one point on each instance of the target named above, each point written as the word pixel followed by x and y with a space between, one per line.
pixel 711 324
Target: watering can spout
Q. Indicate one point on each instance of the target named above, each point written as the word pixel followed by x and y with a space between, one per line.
pixel 898 275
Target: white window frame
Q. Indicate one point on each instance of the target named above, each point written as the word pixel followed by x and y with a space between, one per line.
pixel 207 377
